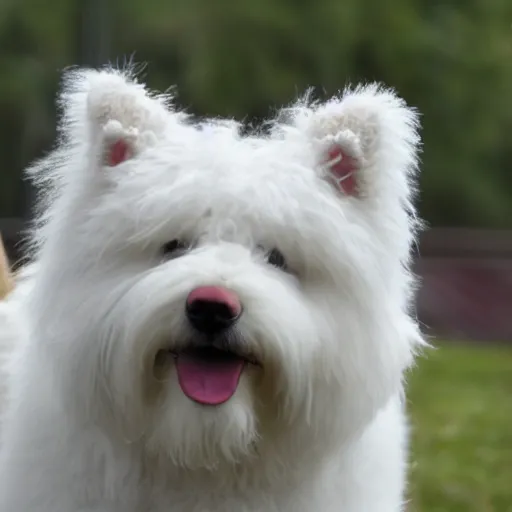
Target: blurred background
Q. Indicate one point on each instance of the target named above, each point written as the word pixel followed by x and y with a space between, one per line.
pixel 244 58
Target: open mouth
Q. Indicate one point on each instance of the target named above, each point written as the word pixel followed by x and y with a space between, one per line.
pixel 209 376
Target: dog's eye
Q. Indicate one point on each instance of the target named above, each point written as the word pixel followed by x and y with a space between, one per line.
pixel 174 249
pixel 277 259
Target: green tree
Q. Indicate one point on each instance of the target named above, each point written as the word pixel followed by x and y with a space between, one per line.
pixel 244 58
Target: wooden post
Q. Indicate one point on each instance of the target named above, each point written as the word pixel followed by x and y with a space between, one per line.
pixel 94 33
pixel 6 280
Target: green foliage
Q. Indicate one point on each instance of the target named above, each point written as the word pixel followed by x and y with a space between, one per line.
pixel 243 58
pixel 461 412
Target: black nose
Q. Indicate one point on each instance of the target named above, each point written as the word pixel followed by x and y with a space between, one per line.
pixel 211 317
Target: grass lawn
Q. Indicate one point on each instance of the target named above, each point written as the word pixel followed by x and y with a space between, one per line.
pixel 460 402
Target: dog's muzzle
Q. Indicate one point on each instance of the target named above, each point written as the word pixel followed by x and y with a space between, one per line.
pixel 209 367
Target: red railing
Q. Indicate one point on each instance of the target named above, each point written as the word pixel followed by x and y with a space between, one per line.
pixel 466 284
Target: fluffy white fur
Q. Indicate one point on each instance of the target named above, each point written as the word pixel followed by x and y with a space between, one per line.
pixel 92 425
pixel 12 326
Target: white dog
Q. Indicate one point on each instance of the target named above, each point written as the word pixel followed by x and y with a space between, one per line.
pixel 217 323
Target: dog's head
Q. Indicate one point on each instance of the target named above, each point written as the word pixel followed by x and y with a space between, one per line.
pixel 209 295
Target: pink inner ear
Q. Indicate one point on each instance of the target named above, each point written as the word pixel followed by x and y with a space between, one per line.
pixel 117 153
pixel 343 169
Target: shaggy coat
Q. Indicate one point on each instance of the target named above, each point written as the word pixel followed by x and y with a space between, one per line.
pixel 308 226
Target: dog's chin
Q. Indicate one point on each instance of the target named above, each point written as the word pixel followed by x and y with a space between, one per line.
pixel 195 435
pixel 207 417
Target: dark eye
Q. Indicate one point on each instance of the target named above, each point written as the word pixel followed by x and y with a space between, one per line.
pixel 276 259
pixel 174 249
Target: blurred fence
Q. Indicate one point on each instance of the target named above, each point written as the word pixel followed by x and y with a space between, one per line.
pixel 466 281
pixel 466 289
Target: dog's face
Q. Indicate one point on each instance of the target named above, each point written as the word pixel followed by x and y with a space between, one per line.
pixel 207 294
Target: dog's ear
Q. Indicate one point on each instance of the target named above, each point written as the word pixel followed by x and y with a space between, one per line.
pixel 365 142
pixel 112 114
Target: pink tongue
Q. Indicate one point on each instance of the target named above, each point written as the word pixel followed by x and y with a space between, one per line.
pixel 206 381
